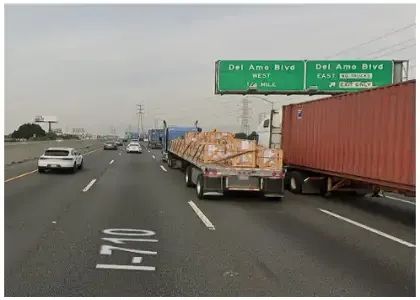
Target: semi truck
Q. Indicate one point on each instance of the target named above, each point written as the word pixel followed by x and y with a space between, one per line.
pixel 170 133
pixel 361 142
pixel 154 138
pixel 216 178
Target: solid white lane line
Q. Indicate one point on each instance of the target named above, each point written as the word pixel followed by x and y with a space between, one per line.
pixel 385 235
pixel 111 162
pixel 153 156
pixel 21 175
pixel 163 168
pixel 200 214
pixel 398 199
pixel 89 185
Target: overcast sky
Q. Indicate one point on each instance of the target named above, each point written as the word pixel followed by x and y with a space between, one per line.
pixel 90 65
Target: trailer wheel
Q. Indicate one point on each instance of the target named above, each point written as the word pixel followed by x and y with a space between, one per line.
pixel 296 182
pixel 170 162
pixel 199 188
pixel 188 181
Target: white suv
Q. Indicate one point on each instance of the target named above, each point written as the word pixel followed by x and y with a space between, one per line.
pixel 60 159
pixel 134 147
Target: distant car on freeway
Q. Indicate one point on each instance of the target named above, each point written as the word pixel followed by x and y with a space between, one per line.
pixel 60 159
pixel 110 146
pixel 134 147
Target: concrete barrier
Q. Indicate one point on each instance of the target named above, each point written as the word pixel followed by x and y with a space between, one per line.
pixel 26 151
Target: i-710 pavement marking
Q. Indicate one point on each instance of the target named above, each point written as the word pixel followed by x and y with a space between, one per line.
pixel 202 216
pixel 34 171
pixel 373 230
pixel 163 168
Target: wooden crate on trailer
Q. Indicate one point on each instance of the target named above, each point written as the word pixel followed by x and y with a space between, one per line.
pixel 269 159
pixel 248 156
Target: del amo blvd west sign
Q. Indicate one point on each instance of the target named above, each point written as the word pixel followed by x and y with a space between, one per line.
pixel 300 77
pixel 267 76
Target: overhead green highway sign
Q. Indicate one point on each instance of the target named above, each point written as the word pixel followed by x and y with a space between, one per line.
pixel 265 76
pixel 343 76
pixel 300 77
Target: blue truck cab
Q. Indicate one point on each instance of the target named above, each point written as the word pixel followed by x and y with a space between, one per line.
pixel 171 133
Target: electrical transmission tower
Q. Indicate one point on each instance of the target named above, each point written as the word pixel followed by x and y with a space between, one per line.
pixel 245 116
pixel 140 112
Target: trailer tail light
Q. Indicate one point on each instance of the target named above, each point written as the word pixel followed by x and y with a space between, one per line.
pixel 278 175
pixel 209 172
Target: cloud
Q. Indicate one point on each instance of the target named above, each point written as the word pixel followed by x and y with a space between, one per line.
pixel 90 65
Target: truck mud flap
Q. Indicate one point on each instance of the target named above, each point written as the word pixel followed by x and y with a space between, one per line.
pixel 273 186
pixel 213 185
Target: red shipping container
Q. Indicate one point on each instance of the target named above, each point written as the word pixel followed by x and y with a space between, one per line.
pixel 367 136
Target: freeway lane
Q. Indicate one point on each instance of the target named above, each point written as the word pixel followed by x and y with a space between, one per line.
pixel 29 166
pixel 33 202
pixel 335 251
pixel 258 248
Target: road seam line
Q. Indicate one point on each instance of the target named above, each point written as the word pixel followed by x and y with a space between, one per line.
pixel 202 216
pixel 373 230
pixel 398 199
pixel 163 168
pixel 92 182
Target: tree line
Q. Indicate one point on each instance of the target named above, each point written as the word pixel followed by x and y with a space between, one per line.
pixel 31 131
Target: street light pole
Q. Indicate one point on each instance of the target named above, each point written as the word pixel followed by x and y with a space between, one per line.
pixel 265 100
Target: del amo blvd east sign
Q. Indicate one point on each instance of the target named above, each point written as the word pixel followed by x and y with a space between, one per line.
pixel 344 76
pixel 300 77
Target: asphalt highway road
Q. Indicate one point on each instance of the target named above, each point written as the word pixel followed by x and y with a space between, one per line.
pixel 126 225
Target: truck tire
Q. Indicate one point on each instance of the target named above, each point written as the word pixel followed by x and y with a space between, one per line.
pixel 296 182
pixel 170 163
pixel 188 181
pixel 199 188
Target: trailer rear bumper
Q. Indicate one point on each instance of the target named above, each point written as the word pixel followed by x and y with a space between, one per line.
pixel 270 187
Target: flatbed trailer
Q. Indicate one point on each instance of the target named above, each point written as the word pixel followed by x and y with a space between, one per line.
pixel 214 179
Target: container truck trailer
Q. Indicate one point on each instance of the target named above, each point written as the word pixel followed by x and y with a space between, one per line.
pixel 154 138
pixel 360 142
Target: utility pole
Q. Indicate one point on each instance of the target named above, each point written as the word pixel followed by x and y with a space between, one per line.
pixel 140 112
pixel 245 117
